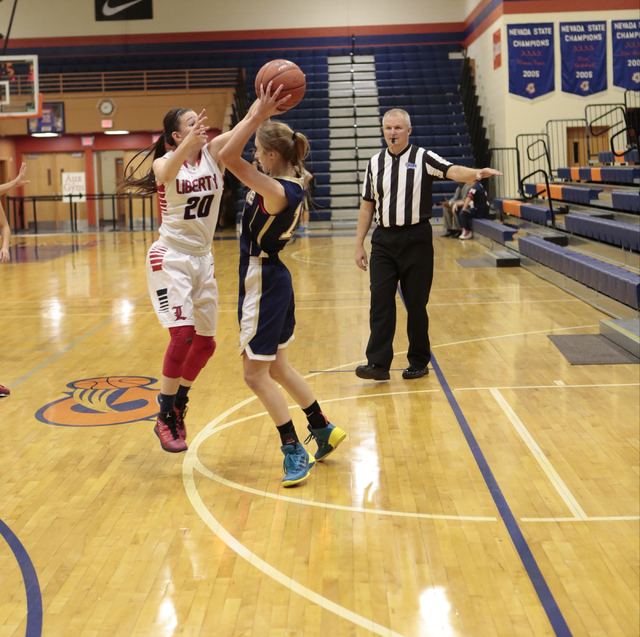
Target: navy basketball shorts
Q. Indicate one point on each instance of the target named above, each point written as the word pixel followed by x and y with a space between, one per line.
pixel 266 307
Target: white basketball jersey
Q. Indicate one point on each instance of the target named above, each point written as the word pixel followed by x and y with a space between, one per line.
pixel 190 204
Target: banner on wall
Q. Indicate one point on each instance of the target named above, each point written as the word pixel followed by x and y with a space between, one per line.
pixel 625 37
pixel 51 120
pixel 497 49
pixel 583 49
pixel 531 59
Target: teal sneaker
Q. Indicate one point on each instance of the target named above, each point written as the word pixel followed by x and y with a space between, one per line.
pixel 328 439
pixel 296 465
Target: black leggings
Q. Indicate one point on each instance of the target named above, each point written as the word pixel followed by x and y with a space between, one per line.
pixel 467 215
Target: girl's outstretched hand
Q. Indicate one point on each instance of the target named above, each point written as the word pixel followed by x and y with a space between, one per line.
pixel 198 134
pixel 268 103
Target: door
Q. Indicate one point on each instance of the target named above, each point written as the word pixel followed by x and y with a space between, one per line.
pixel 577 144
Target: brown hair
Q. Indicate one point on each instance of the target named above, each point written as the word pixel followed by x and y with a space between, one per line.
pixel 147 183
pixel 278 137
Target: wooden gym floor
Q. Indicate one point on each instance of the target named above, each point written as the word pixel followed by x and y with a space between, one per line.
pixel 497 496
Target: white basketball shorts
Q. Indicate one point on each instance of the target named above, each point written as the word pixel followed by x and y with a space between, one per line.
pixel 183 289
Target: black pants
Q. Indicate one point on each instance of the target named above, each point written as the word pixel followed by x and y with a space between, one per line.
pixel 401 254
pixel 467 215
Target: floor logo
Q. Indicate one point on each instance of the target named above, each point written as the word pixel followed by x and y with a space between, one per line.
pixel 94 402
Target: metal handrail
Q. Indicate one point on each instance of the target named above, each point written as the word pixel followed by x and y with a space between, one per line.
pixel 548 191
pixel 613 110
pixel 14 202
pixel 545 152
pixel 626 150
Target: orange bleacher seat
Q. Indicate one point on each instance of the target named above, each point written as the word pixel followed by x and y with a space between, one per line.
pixel 511 207
pixel 555 190
pixel 575 174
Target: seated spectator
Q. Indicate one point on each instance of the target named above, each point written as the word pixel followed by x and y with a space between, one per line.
pixel 450 210
pixel 303 228
pixel 476 206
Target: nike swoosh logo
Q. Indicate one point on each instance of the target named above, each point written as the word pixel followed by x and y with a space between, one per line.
pixel 109 11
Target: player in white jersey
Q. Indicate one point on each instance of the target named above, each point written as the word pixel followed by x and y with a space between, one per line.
pixel 180 270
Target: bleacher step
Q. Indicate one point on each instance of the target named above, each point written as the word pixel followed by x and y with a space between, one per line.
pixel 548 235
pixel 623 332
pixel 502 258
pixel 593 213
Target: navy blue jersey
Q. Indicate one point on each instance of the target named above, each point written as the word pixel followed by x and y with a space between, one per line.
pixel 478 196
pixel 264 234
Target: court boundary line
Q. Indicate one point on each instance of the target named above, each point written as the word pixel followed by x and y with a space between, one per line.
pixel 188 478
pixel 547 600
pixel 538 454
pixel 205 471
pixel 30 579
pixel 548 386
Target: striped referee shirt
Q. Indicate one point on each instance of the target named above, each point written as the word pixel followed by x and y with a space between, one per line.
pixel 400 185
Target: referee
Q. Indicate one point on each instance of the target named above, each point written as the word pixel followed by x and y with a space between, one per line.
pixel 397 190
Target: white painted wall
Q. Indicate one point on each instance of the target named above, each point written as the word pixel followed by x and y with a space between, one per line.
pixel 469 6
pixel 44 18
pixel 510 114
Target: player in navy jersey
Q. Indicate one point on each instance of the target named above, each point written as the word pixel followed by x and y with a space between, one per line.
pixel 476 206
pixel 187 174
pixel 266 302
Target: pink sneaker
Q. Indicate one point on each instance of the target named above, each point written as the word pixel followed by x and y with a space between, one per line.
pixel 167 431
pixel 181 412
pixel 4 391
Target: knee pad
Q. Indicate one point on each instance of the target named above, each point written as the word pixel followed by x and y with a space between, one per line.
pixel 201 351
pixel 178 350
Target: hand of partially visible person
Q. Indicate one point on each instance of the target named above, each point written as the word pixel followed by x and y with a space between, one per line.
pixel 20 180
pixel 361 258
pixel 5 256
pixel 487 172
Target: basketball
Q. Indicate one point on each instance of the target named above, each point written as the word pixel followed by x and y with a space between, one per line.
pixel 286 73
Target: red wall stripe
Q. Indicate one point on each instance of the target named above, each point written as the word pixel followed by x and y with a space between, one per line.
pixel 568 6
pixel 476 12
pixel 523 7
pixel 486 24
pixel 226 36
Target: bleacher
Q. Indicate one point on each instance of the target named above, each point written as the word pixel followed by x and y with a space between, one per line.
pixel 605 174
pixel 574 194
pixel 424 82
pixel 628 157
pixel 618 233
pixel 611 280
pixel 531 212
pixel 420 79
pixel 598 225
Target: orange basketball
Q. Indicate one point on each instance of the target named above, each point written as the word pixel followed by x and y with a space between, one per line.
pixel 286 73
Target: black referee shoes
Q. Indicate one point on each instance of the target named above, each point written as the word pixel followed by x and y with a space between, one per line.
pixel 372 372
pixel 376 372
